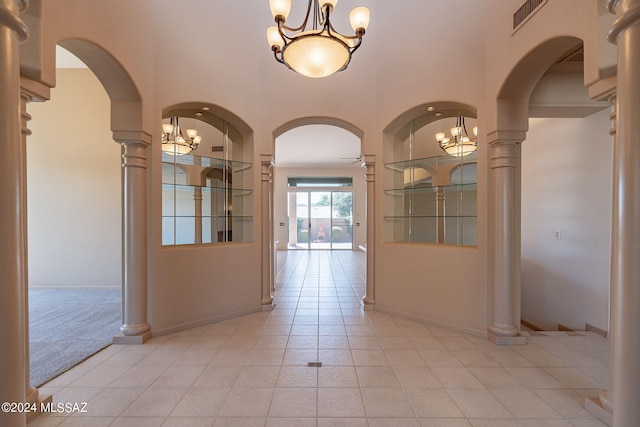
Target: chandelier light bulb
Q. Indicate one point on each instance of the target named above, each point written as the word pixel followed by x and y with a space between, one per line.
pixel 330 3
pixel 280 8
pixel 167 128
pixel 359 18
pixel 274 38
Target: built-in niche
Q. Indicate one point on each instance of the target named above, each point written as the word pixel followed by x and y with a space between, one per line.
pixel 430 193
pixel 206 192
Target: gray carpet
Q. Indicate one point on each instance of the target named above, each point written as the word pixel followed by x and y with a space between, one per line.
pixel 66 326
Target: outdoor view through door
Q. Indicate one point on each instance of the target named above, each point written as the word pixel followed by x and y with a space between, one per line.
pixel 320 219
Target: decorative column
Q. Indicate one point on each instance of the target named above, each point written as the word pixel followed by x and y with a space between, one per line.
pixel 13 255
pixel 29 90
pixel 503 328
pixel 625 268
pixel 266 163
pixel 602 406
pixel 197 199
pixel 134 329
pixel 369 163
pixel 440 199
pixel 293 219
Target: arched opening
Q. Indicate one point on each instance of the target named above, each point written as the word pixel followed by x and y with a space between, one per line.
pixel 206 191
pixel 78 211
pixel 424 201
pixel 544 103
pixel 319 192
pixel 566 181
pixel 320 202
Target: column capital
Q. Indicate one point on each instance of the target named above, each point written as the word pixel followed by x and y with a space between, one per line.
pixel 34 89
pixel 503 154
pixel 266 161
pixel 9 18
pixel 628 18
pixel 132 137
pixel 499 137
pixel 369 163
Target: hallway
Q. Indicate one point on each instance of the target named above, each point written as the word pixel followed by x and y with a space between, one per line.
pixel 377 370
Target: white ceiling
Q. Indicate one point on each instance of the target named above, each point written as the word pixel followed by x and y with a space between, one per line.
pixel 317 146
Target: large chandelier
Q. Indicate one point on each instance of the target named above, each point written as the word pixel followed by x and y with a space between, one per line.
pixel 459 144
pixel 174 142
pixel 319 51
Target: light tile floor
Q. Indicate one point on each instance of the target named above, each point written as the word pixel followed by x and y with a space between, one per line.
pixel 377 370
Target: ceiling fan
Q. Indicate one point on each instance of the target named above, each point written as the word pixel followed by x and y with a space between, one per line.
pixel 355 159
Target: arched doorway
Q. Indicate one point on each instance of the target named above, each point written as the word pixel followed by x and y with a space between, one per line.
pixel 319 169
pixel 74 213
pixel 320 159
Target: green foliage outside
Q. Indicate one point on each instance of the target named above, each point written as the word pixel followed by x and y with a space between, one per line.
pixel 336 233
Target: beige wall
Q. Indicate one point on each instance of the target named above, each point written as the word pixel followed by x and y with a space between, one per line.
pixel 73 187
pixel 566 188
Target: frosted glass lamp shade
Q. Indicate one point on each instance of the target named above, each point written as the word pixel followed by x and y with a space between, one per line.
pixel 475 130
pixel 175 149
pixel 359 18
pixel 197 139
pixel 331 3
pixel 167 127
pixel 191 133
pixel 274 38
pixel 316 56
pixel 440 136
pixel 456 131
pixel 280 8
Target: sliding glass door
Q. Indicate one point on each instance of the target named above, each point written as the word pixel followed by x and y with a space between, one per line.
pixel 320 219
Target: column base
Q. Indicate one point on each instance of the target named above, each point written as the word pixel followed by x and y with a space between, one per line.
pixel 42 401
pixel 593 406
pixel 132 339
pixel 368 304
pixel 269 307
pixel 502 340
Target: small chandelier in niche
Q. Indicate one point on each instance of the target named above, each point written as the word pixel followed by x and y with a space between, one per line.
pixel 460 144
pixel 320 51
pixel 174 142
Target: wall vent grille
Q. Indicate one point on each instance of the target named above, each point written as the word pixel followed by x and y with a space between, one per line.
pixel 526 10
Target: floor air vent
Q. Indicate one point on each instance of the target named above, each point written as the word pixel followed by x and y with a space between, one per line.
pixel 527 10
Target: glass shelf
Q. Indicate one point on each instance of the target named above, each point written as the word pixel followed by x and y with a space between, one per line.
pixel 208 162
pixel 400 192
pixel 430 162
pixel 404 217
pixel 230 217
pixel 217 189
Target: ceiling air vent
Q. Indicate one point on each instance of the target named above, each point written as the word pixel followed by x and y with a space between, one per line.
pixel 526 11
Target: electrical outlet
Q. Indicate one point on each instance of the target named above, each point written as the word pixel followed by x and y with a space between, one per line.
pixel 557 234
